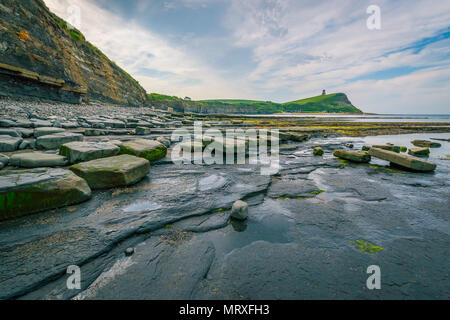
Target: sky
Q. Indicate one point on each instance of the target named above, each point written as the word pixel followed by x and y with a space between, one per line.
pixel 278 50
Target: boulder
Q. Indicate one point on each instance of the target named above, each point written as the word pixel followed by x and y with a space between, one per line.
pixel 23 123
pixel 8 143
pixel 403 160
pixel 55 141
pixel 27 144
pixel 5 123
pixel 239 210
pixel 37 160
pixel 24 133
pixel 148 149
pixel 10 132
pixel 388 147
pixel 353 156
pixel 87 151
pixel 45 131
pixel 30 191
pixel 4 159
pixel 94 132
pixel 41 123
pixel 419 151
pixel 112 172
pixel 164 141
pixel 70 125
pixel 426 144
pixel 141 131
pixel 299 137
pixel 318 151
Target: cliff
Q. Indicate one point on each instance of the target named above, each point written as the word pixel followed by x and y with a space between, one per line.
pixel 41 56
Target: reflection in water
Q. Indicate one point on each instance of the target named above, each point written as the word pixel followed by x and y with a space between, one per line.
pixel 239 226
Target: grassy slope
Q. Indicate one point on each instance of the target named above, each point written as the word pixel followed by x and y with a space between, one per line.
pixel 333 103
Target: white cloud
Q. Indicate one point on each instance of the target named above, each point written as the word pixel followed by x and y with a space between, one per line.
pixel 300 48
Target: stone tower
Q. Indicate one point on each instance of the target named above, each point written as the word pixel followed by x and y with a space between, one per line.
pixel 324 93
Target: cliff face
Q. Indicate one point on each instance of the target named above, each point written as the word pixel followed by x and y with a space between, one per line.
pixel 40 56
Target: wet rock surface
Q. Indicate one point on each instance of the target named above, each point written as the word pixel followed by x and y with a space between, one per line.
pixel 35 190
pixel 297 243
pixel 112 172
pixel 312 229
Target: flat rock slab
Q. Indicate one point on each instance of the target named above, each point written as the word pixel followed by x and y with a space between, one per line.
pixel 87 151
pixel 388 147
pixel 24 192
pixel 353 156
pixel 55 141
pixel 426 144
pixel 8 143
pixel 112 172
pixel 403 160
pixel 37 160
pixel 10 132
pixel 141 131
pixel 45 131
pixel 148 149
pixel 419 151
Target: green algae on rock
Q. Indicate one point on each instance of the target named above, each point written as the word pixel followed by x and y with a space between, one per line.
pixel 147 149
pixel 353 156
pixel 405 161
pixel 123 170
pixel 318 151
pixel 26 192
pixel 367 247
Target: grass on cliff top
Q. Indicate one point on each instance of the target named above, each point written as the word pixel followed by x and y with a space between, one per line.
pixel 162 97
pixel 329 98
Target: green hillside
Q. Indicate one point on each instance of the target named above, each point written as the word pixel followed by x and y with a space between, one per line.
pixel 332 103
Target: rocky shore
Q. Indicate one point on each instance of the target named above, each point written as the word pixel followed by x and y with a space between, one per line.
pixel 93 185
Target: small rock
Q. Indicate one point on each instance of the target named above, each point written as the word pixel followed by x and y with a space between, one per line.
pixel 419 151
pixel 129 252
pixel 349 145
pixel 426 144
pixel 239 210
pixel 318 151
pixel 164 141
